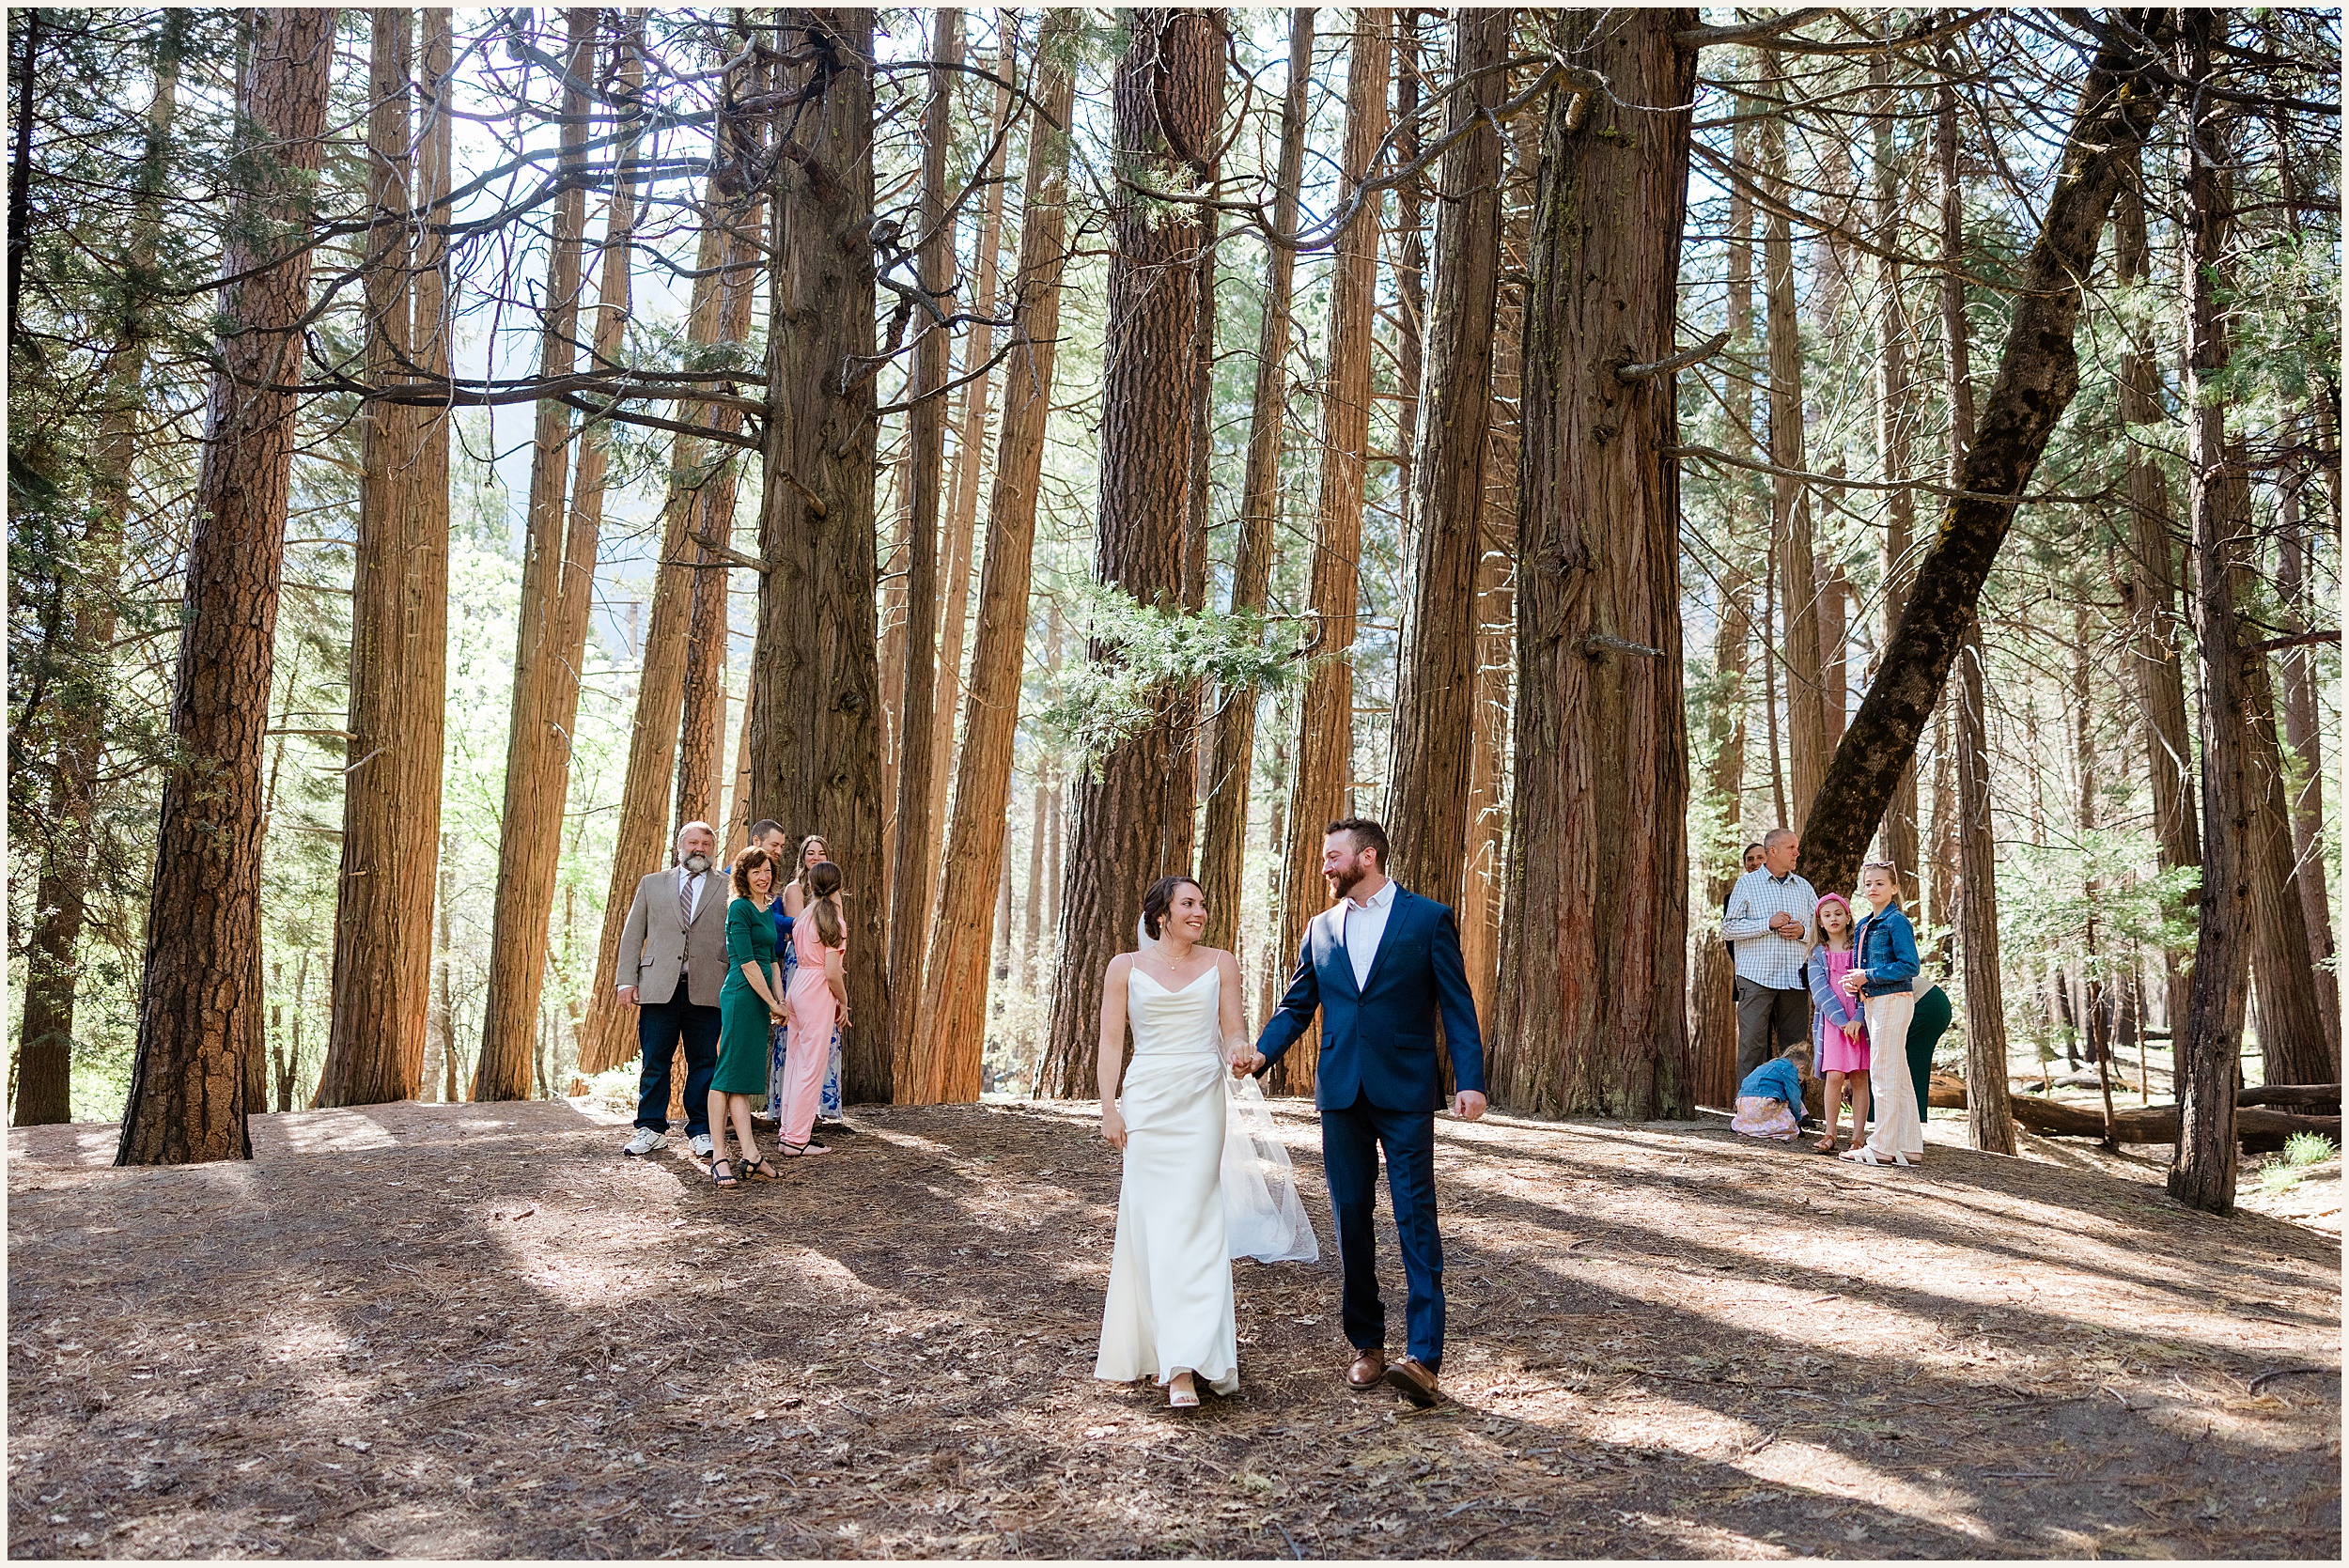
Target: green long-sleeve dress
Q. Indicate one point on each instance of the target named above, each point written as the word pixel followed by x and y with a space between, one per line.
pixel 742 1041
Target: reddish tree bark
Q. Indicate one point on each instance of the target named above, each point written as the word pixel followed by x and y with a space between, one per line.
pixel 558 587
pixel 198 1006
pixel 1434 704
pixel 919 756
pixel 1321 787
pixel 1594 958
pixel 383 962
pixel 953 1017
pixel 1163 99
pixel 1223 848
pixel 815 707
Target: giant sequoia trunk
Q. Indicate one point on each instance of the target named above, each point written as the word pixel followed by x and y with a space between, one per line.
pixel 1593 961
pixel 2149 589
pixel 2038 374
pixel 45 1070
pixel 198 1006
pixel 382 966
pixel 815 711
pixel 914 876
pixel 1435 708
pixel 700 498
pixel 1164 97
pixel 953 1017
pixel 1319 789
pixel 2203 1171
pixel 1223 848
pixel 558 587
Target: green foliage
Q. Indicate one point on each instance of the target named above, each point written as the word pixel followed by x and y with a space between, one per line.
pixel 2302 1153
pixel 1140 653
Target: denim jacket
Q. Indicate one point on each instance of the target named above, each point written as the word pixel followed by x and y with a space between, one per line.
pixel 1888 951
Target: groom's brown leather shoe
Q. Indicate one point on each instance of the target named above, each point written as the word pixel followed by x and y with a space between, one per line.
pixel 1369 1368
pixel 1416 1381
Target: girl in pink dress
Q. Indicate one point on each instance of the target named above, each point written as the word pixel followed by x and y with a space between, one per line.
pixel 817 999
pixel 1839 1031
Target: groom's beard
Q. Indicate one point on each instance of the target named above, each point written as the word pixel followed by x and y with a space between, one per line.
pixel 1343 883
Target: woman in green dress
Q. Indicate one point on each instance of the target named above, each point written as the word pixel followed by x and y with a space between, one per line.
pixel 750 1005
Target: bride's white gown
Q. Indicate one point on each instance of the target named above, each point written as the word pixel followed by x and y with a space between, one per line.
pixel 1169 1300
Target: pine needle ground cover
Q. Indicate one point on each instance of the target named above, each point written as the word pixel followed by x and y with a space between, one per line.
pixel 440 1330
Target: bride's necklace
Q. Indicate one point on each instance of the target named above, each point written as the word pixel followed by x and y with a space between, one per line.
pixel 1176 967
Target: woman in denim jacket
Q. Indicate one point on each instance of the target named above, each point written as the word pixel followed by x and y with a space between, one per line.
pixel 1883 977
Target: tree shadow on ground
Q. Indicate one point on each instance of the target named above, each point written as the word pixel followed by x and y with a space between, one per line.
pixel 500 1338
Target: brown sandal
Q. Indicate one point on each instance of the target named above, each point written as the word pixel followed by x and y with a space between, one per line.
pixel 1825 1146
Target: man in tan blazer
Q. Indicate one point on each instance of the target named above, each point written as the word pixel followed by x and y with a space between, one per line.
pixel 672 962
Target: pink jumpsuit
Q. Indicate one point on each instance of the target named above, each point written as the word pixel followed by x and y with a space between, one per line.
pixel 808 1051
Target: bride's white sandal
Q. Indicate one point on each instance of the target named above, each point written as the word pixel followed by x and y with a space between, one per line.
pixel 1181 1398
pixel 1863 1155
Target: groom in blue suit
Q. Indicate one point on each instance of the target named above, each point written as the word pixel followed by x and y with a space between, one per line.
pixel 1382 966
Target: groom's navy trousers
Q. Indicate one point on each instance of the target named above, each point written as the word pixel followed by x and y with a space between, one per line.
pixel 1379 1088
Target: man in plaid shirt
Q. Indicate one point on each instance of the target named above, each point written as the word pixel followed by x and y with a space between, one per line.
pixel 1768 923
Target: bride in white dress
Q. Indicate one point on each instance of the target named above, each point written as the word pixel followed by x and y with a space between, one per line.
pixel 1169 1314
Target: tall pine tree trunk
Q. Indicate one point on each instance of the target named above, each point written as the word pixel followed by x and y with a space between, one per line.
pixel 198 1007
pixel 719 313
pixel 1713 994
pixel 2303 736
pixel 382 964
pixel 1163 101
pixel 814 704
pixel 1480 908
pixel 558 588
pixel 2038 374
pixel 954 996
pixel 44 1073
pixel 1321 786
pixel 2294 1045
pixel 1594 957
pixel 1807 745
pixel 913 876
pixel 2203 1171
pixel 1224 850
pixel 1434 709
pixel 2149 589
pixel 1895 417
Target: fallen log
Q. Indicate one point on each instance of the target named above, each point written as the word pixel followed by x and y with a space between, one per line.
pixel 2158 1124
pixel 2290 1093
pixel 2258 1127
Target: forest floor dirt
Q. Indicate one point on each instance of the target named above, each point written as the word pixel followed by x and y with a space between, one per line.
pixel 437 1330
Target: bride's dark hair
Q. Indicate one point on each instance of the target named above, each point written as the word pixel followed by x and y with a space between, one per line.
pixel 1159 899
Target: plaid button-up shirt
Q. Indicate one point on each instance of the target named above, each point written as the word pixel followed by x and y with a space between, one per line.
pixel 1763 957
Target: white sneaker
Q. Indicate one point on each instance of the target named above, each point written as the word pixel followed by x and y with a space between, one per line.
pixel 702 1146
pixel 644 1142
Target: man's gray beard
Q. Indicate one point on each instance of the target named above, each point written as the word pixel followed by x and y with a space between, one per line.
pixel 698 863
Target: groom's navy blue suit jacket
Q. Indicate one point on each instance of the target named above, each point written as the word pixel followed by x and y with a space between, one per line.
pixel 1378 1040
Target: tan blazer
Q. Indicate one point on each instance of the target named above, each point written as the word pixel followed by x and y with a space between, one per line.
pixel 656 946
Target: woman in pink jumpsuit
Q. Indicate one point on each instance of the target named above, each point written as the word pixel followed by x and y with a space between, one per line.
pixel 818 996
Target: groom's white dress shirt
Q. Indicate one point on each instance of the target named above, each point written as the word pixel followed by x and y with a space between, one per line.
pixel 1365 924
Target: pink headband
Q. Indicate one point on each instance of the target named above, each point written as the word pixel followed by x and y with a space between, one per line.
pixel 1826 898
